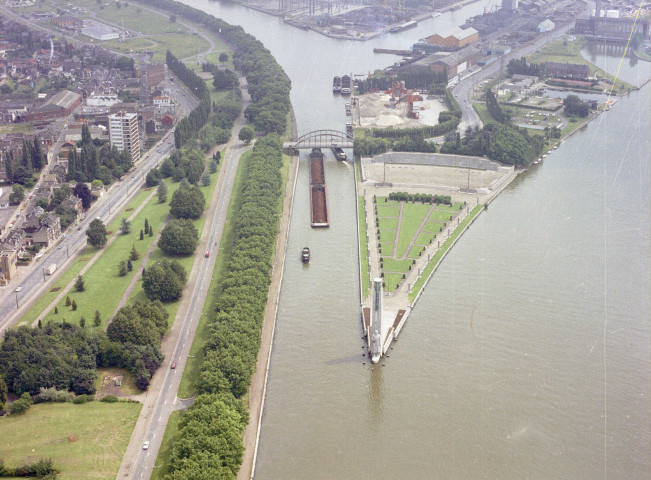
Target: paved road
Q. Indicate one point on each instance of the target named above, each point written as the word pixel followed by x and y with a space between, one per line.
pixel 161 398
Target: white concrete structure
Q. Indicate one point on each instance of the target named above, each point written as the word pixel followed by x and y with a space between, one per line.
pixel 124 134
pixel 107 100
pixel 546 26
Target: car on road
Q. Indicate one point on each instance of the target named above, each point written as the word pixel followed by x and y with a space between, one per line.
pixel 207 254
pixel 59 247
pixel 133 175
pixel 145 445
pixel 18 289
pixel 173 366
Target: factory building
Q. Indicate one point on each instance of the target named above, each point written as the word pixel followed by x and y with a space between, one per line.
pixel 454 39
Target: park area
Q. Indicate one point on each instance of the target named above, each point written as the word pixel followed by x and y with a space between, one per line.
pixel 404 231
pixel 85 441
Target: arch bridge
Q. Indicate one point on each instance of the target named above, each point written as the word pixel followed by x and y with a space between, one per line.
pixel 321 139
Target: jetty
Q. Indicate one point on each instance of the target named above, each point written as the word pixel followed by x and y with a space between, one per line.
pixel 318 191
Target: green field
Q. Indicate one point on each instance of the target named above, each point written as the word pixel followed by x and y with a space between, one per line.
pixel 85 441
pixel 71 272
pixel 181 43
pixel 387 236
pixel 414 252
pixel 388 211
pixel 425 238
pixel 412 217
pixel 420 283
pixel 396 266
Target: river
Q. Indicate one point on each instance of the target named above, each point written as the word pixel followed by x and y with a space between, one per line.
pixel 529 353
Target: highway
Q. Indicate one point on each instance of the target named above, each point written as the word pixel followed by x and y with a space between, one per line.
pixel 161 399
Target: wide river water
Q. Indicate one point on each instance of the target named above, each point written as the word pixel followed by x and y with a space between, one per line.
pixel 529 353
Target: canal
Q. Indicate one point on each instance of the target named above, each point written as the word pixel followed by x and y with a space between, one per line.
pixel 529 353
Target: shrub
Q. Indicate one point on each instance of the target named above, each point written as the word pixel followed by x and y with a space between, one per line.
pixel 109 399
pixel 22 404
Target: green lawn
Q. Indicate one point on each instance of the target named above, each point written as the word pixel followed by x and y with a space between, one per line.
pixel 390 223
pixel 388 211
pixel 181 43
pixel 85 255
pixel 363 248
pixel 391 265
pixel 391 281
pixel 161 468
pixel 386 249
pixel 414 252
pixel 425 238
pixel 418 285
pixel 482 111
pixel 387 236
pixel 440 216
pixel 412 217
pixel 85 441
pixel 104 286
pixel 432 226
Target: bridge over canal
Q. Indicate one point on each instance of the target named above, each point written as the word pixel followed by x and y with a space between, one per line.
pixel 321 139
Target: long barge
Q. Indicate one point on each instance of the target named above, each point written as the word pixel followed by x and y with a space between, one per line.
pixel 318 192
pixel 404 26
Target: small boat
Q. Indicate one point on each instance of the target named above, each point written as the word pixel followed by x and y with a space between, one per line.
pixel 339 153
pixel 436 14
pixel 305 255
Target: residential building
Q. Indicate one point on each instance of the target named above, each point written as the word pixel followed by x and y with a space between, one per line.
pixel 124 134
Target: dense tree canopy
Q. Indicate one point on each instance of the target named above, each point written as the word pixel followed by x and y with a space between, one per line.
pixel 96 233
pixel 179 237
pixel 187 202
pixel 164 281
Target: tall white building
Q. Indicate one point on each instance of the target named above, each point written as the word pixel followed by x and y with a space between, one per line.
pixel 124 134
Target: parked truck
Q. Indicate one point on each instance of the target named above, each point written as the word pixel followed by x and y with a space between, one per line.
pixel 50 270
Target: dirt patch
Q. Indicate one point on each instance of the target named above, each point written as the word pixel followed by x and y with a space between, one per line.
pixel 84 259
pixel 72 438
pixel 55 289
pixel 129 210
pixel 109 232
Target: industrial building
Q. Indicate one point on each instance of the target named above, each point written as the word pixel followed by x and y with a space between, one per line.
pixel 124 134
pixel 59 105
pixel 454 39
pixel 456 62
pixel 99 31
pixel 509 5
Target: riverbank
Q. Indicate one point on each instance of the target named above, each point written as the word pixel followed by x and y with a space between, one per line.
pixel 258 388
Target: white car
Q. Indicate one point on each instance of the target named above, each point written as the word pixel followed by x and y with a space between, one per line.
pixel 18 289
pixel 145 445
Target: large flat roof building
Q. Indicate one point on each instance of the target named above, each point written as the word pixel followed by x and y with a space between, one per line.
pixel 455 38
pixel 124 134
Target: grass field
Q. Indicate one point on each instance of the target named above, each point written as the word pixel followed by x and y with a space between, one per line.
pixel 387 236
pixel 420 283
pixel 85 441
pixel 396 266
pixel 482 111
pixel 363 247
pixel 161 468
pixel 412 217
pixel 181 43
pixel 388 211
pixel 84 256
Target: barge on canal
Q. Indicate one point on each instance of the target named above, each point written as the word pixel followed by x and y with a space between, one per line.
pixel 318 191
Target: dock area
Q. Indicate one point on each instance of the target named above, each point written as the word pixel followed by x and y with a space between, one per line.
pixel 318 191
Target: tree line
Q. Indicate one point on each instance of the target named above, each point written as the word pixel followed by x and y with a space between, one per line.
pixel 186 129
pixel 209 443
pixel 97 161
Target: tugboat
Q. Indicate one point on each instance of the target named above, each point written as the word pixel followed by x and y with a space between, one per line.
pixel 336 85
pixel 346 86
pixel 305 255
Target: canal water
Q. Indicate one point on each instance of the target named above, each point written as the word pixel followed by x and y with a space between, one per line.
pixel 529 353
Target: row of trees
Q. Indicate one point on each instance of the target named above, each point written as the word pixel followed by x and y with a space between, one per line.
pixel 209 444
pixel 420 197
pixel 417 79
pixel 32 161
pixel 494 108
pixel 186 130
pixel 520 66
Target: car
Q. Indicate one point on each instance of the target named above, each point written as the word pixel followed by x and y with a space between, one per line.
pixel 173 366
pixel 79 227
pixel 145 445
pixel 59 247
pixel 133 175
pixel 18 289
pixel 207 254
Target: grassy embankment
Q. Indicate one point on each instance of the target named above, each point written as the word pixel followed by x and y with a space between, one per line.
pixel 433 263
pixel 85 441
pixel 563 51
pixel 363 240
pixel 394 267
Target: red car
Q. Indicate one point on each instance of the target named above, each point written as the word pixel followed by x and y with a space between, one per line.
pixel 207 254
pixel 173 366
